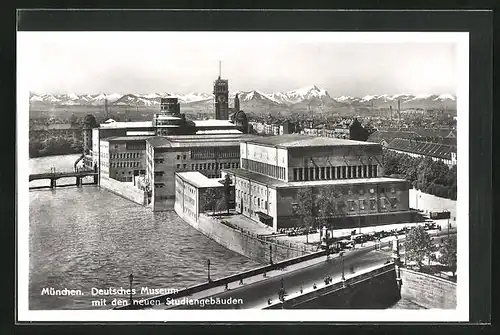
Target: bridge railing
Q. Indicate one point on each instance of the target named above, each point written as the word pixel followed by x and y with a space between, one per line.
pixel 327 289
pixel 226 280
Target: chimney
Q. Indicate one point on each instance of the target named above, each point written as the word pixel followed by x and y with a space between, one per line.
pixel 399 114
pixel 390 111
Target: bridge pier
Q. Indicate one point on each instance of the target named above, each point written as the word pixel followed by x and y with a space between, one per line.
pixel 52 183
pixel 79 181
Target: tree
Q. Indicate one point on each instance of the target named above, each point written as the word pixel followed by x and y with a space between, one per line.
pixel 357 132
pixel 448 255
pixel 209 199
pixel 227 190
pixel 418 246
pixel 305 208
pixel 90 121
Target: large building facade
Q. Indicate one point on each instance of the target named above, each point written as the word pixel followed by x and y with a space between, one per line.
pixel 207 154
pixel 274 170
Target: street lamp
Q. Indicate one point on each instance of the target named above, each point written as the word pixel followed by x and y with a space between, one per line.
pixel 208 267
pixel 342 259
pixel 270 254
pixel 131 279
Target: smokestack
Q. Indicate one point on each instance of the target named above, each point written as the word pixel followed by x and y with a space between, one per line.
pixel 106 106
pixel 390 111
pixel 220 65
pixel 399 114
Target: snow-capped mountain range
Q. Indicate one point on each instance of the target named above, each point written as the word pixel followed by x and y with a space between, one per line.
pixel 304 97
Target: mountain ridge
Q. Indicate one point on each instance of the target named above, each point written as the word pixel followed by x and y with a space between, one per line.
pixel 305 97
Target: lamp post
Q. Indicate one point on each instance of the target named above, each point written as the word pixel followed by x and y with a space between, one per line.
pixel 342 259
pixel 208 267
pixel 270 254
pixel 448 224
pixel 131 279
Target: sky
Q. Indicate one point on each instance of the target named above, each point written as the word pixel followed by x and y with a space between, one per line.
pixel 350 64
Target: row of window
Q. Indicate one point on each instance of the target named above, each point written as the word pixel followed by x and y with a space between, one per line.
pixel 258 202
pixel 264 168
pixel 125 164
pixel 190 212
pixel 214 153
pixel 210 166
pixel 124 179
pixel 334 172
pixel 126 155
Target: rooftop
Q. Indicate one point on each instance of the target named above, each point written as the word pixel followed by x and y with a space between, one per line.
pixel 218 131
pixel 213 123
pixel 132 124
pixel 298 141
pixel 197 179
pixel 437 150
pixel 208 140
pixel 275 183
pixel 126 138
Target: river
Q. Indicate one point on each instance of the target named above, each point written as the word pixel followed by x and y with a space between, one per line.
pixel 84 238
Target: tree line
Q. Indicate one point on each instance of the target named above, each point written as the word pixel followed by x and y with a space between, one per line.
pixel 420 248
pixel 425 174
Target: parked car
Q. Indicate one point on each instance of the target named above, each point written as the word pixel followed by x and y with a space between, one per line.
pixel 345 244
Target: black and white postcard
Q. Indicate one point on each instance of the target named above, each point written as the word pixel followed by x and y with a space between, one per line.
pixel 178 174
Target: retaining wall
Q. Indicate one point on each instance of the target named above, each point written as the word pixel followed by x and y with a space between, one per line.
pixel 124 190
pixel 428 291
pixel 377 289
pixel 245 244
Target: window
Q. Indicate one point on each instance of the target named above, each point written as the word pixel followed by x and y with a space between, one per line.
pixel 382 202
pixel 372 204
pixel 130 172
pixel 183 156
pixel 178 166
pixel 350 203
pixel 184 166
pixel 394 202
pixel 362 204
pixel 178 157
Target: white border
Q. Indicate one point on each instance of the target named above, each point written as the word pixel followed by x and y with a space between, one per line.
pixel 461 40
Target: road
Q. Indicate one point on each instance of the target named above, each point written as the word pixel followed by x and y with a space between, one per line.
pixel 256 295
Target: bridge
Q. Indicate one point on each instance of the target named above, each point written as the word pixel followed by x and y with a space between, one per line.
pixel 364 276
pixel 54 176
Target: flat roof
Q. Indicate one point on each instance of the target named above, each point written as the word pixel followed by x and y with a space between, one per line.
pixel 126 138
pixel 213 123
pixel 197 179
pixel 131 124
pixel 299 141
pixel 209 140
pixel 219 131
pixel 275 183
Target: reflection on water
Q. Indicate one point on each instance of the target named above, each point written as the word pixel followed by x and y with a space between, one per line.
pixel 84 238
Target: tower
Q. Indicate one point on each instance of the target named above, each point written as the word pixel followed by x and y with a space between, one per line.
pixel 236 103
pixel 221 94
pixel 169 121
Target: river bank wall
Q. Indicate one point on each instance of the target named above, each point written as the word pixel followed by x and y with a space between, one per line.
pixel 240 242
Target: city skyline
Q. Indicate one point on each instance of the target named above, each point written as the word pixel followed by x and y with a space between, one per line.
pixel 340 63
